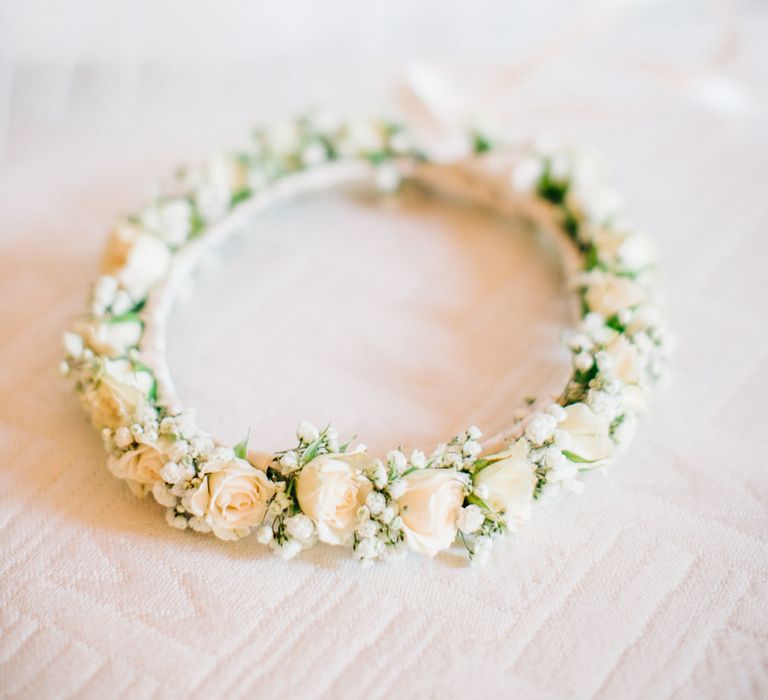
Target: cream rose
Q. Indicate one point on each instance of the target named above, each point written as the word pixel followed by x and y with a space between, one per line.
pixel 110 339
pixel 232 499
pixel 626 359
pixel 608 294
pixel 632 250
pixel 509 481
pixel 141 465
pixel 137 259
pixel 330 489
pixel 114 398
pixel 588 432
pixel 430 507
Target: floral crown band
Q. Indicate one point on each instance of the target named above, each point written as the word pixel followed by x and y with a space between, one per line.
pixel 463 492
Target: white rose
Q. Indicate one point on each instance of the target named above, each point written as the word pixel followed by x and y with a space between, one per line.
pixel 110 339
pixel 142 465
pixel 626 360
pixel 630 250
pixel 331 489
pixel 429 508
pixel 588 432
pixel 608 294
pixel 509 482
pixel 171 220
pixel 117 394
pixel 232 499
pixel 136 258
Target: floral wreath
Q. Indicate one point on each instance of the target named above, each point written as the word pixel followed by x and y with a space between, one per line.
pixel 320 489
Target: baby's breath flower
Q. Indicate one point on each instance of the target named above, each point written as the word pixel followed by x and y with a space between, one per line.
pixel 377 474
pixel 73 345
pixel 418 459
pixel 471 449
pixel 175 520
pixel 176 472
pixel 540 428
pixel 264 534
pixel 123 437
pixel 604 361
pixel 288 461
pixel 363 513
pixel 376 502
pixel 397 461
pixel 387 515
pixel 289 549
pixel 202 446
pixel 299 526
pixel 307 433
pixel 583 361
pixel 470 519
pixel 553 458
pixel 474 433
pixel 579 342
pixel 481 551
pixel 368 529
pixel 313 154
pixel 397 488
pixel 369 548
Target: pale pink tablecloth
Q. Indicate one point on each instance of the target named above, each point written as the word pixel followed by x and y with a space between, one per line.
pixel 401 321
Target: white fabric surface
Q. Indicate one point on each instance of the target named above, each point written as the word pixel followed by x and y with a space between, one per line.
pixel 401 321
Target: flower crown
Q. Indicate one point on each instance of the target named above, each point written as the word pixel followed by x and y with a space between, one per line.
pixel 320 489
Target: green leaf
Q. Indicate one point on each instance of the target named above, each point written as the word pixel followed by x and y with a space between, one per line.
pixel 379 157
pixel 139 305
pixel 575 458
pixel 241 449
pixel 591 260
pixel 585 377
pixel 240 196
pixel 476 500
pixel 552 190
pixel 571 224
pixel 127 317
pixel 198 223
pixel 613 322
pixel 311 452
pixel 480 143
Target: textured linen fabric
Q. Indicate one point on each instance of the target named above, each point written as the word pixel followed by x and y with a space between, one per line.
pixel 403 321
